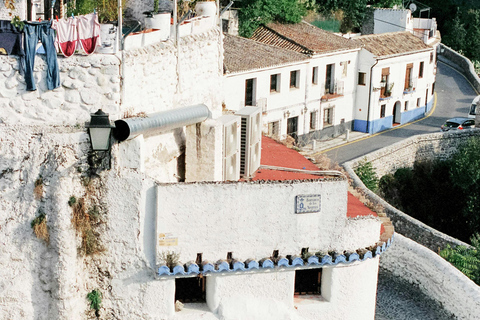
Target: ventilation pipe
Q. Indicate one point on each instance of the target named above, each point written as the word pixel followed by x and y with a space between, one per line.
pixel 161 121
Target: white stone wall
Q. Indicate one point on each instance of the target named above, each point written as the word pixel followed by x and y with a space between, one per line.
pixel 163 77
pixel 20 10
pixel 253 219
pixel 436 277
pixel 87 83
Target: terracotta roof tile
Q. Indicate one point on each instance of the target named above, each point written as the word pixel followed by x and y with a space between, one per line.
pixel 392 43
pixel 302 37
pixel 241 54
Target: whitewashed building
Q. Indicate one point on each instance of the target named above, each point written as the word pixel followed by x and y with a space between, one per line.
pixel 110 222
pixel 396 80
pixel 310 100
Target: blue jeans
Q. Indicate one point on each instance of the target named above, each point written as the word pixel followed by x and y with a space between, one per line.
pixel 35 31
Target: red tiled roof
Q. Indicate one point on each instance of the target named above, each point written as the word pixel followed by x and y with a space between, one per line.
pixel 302 37
pixel 276 154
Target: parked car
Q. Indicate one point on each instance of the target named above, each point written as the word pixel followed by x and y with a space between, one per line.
pixel 458 124
pixel 473 107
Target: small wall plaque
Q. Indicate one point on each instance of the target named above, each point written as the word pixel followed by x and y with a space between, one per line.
pixel 307 203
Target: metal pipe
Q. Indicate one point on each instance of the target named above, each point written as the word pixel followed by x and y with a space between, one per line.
pixel 226 8
pixel 161 121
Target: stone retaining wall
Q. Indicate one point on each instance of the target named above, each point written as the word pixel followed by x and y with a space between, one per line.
pixel 467 67
pixel 404 154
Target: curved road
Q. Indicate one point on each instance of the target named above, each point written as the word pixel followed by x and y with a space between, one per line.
pixel 453 97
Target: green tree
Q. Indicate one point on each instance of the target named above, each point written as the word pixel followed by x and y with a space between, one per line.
pixel 366 173
pixel 254 13
pixel 354 11
pixel 467 260
pixel 473 31
pixel 465 174
pixel 456 34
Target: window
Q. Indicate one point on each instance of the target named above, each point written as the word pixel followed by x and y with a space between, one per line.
pixel 433 88
pixel 406 106
pixel 250 92
pixel 225 25
pixel 327 116
pixel 329 79
pixel 273 128
pixel 190 289
pixel 420 70
pixel 308 281
pixel 408 77
pixel 418 102
pixel 385 90
pixel 275 83
pixel 382 110
pixel 361 78
pixel 431 57
pixel 344 66
pixel 294 77
pixel 315 75
pixel 313 120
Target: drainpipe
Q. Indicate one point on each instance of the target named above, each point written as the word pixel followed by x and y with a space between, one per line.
pixel 370 96
pixel 160 122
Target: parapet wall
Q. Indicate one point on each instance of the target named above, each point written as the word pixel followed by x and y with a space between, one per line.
pixel 154 78
pixel 406 258
pixel 467 67
pixel 403 155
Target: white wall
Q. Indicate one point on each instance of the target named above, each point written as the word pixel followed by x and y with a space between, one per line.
pixel 392 20
pixel 218 215
pixel 435 276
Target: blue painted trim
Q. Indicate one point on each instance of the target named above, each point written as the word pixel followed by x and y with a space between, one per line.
pixel 208 267
pixel 237 265
pixel 313 260
pixel 252 264
pixel 326 260
pixel 340 259
pixel 193 269
pixel 297 262
pixel 266 263
pixel 353 257
pixel 163 270
pixel 283 262
pixel 360 125
pixel 223 266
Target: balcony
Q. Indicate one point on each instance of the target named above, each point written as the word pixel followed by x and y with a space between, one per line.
pixel 334 91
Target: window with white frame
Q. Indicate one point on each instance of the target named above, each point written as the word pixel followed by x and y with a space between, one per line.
pixel 313 120
pixel 418 102
pixel 406 106
pixel 295 79
pixel 315 75
pixel 420 70
pixel 275 83
pixel 328 116
pixel 382 110
pixel 190 289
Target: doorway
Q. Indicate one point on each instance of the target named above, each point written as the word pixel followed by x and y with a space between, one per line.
pixel 397 113
pixel 292 125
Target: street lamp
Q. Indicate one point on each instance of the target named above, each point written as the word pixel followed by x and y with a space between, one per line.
pixel 99 130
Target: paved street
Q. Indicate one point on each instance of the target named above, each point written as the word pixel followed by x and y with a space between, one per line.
pixel 454 95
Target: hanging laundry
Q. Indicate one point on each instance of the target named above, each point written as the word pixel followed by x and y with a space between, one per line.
pixel 67 35
pixel 34 32
pixel 89 32
pixel 10 39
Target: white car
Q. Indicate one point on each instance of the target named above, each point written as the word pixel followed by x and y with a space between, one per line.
pixel 473 108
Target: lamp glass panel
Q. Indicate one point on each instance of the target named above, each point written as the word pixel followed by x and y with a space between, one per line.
pixel 100 138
